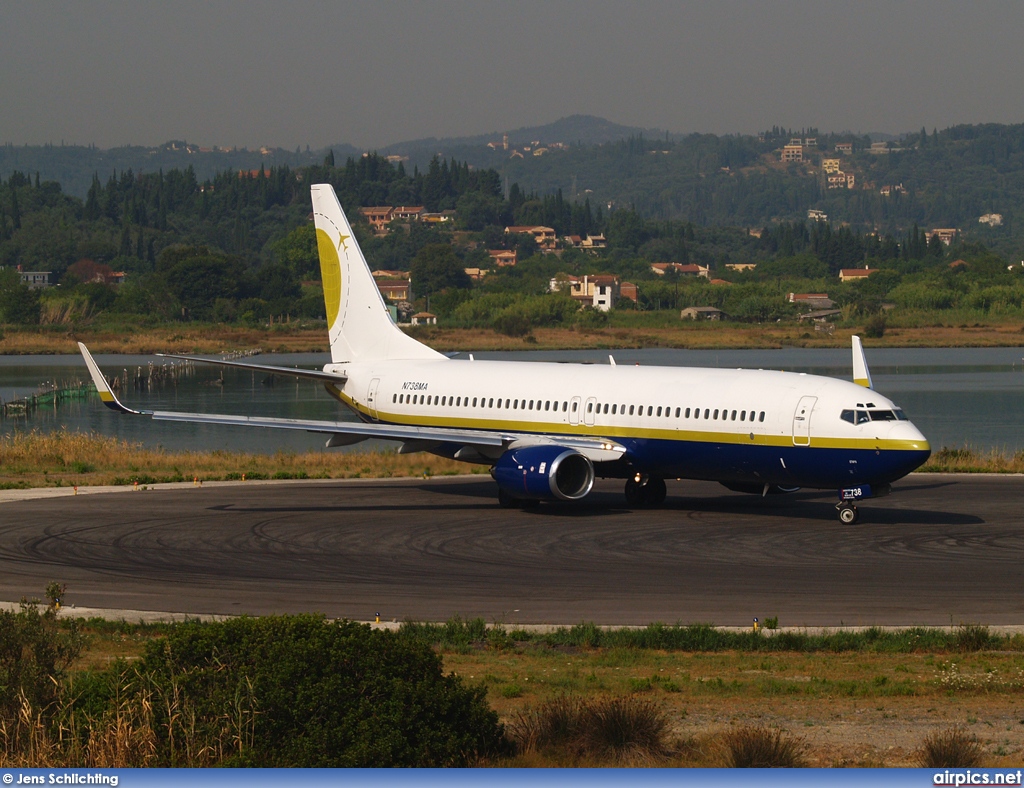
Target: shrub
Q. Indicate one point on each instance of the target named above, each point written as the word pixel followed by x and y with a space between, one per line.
pixel 759 747
pixel 301 691
pixel 874 327
pixel 629 728
pixel 953 748
pixel 972 637
pixel 35 654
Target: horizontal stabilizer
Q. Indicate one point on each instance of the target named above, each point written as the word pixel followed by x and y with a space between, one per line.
pixel 295 372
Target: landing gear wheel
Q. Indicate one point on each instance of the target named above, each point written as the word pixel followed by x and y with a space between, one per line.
pixel 655 491
pixel 634 492
pixel 848 514
pixel 648 491
pixel 506 501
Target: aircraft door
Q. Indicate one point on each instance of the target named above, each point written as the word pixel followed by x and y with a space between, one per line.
pixel 588 411
pixel 574 411
pixel 371 398
pixel 802 421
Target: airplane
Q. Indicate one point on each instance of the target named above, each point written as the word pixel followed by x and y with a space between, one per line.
pixel 549 429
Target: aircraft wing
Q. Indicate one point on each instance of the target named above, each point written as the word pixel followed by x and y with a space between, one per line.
pixel 487 442
pixel 312 374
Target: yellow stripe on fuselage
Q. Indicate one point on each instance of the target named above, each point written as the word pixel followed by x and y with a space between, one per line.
pixel 622 432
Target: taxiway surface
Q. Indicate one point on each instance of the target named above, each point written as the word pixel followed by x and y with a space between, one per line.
pixel 939 550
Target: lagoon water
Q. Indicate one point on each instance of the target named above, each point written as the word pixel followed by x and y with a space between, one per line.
pixel 957 397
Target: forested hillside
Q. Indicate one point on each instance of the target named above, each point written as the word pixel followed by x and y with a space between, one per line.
pixel 239 246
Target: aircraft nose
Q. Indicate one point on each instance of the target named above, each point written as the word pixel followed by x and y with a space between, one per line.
pixel 911 436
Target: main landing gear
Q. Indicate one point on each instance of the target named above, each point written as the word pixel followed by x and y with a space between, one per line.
pixel 848 513
pixel 644 490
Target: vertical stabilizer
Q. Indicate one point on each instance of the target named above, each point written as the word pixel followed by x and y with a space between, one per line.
pixel 861 374
pixel 358 321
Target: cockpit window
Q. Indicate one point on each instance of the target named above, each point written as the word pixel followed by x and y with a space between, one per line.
pixel 882 415
pixel 900 415
pixel 856 416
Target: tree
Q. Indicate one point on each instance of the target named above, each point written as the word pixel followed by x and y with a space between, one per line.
pixel 18 302
pixel 197 277
pixel 436 268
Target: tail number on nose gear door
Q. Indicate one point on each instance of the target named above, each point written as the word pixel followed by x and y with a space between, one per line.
pixel 855 493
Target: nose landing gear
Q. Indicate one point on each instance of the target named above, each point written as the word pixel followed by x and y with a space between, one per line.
pixel 848 513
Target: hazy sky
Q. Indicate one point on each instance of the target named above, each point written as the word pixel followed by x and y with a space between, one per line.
pixel 373 73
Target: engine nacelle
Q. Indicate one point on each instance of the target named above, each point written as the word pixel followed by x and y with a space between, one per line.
pixel 544 473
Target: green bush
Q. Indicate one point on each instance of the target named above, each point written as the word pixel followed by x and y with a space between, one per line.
pixel 302 691
pixel 35 653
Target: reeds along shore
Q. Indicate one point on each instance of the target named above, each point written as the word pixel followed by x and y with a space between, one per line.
pixel 634 330
pixel 36 459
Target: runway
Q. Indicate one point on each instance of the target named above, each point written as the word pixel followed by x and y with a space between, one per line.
pixel 940 550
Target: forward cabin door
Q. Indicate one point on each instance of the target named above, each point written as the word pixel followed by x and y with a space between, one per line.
pixel 371 398
pixel 802 421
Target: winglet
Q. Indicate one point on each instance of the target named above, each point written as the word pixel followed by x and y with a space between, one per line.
pixel 102 387
pixel 861 374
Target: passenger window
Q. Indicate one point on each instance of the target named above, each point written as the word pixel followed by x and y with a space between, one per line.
pixel 743 415
pixel 678 410
pixel 565 407
pixel 650 409
pixel 605 408
pixel 707 413
pixel 761 417
pixel 515 404
pixel 716 414
pixel 614 407
pixel 733 416
pixel 687 413
pixel 547 404
pixel 631 410
pixel 659 410
pixel 590 407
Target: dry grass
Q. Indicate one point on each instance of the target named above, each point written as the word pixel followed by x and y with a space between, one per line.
pixel 761 747
pixel 953 748
pixel 967 460
pixel 66 459
pixel 625 730
pixel 852 709
pixel 298 337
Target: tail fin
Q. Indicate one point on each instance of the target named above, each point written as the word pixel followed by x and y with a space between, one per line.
pixel 358 321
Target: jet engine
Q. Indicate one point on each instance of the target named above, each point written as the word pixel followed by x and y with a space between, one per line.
pixel 544 472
